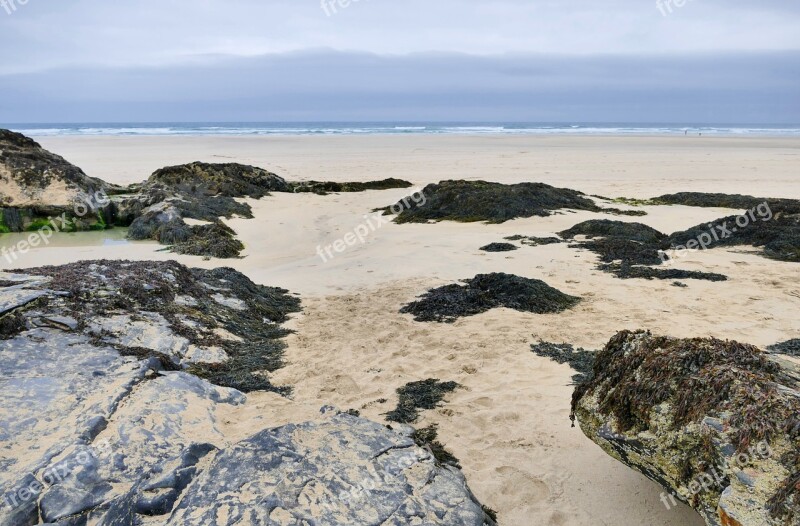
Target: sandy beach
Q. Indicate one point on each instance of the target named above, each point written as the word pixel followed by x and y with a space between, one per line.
pixel 509 423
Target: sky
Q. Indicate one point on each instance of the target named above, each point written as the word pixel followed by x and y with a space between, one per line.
pixel 687 61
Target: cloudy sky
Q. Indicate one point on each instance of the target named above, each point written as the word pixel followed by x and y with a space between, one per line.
pixel 708 61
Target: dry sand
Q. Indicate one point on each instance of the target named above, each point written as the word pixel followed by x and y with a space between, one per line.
pixel 509 423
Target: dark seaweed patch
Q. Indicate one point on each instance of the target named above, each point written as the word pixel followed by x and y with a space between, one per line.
pixel 535 241
pixel 471 201
pixel 790 347
pixel 579 359
pixel 499 247
pixel 427 438
pixel 426 394
pixel 324 187
pixel 623 271
pixel 487 291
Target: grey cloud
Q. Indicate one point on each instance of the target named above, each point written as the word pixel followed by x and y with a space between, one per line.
pixel 325 85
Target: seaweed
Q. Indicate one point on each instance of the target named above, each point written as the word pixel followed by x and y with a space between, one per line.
pixel 487 291
pixel 779 237
pixel 473 201
pixel 627 271
pixel 616 229
pixel 325 187
pixel 427 438
pixel 735 201
pixel 11 324
pixel 699 376
pixel 533 241
pixel 93 288
pixel 790 347
pixel 499 247
pixel 579 359
pixel 426 394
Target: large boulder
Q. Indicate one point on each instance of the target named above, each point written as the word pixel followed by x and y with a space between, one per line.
pixel 108 413
pixel 36 184
pixel 717 423
pixel 342 470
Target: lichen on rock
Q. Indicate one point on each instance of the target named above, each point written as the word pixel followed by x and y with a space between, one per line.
pixel 681 410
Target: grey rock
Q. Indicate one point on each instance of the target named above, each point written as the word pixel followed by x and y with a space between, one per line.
pixel 342 470
pixel 95 429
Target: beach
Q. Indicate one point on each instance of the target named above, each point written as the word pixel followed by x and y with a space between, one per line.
pixel 508 423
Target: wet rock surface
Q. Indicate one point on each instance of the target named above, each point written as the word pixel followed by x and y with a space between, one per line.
pixel 105 418
pixel 343 470
pixel 717 423
pixel 485 292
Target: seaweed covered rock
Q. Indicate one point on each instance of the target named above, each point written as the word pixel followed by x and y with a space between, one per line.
pixel 735 201
pixel 628 249
pixel 471 201
pixel 717 423
pixel 216 324
pixel 325 187
pixel 227 179
pixel 488 291
pixel 36 185
pixel 776 231
pixel 157 209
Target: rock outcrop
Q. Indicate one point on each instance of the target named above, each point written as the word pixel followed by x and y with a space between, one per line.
pixel 717 423
pixel 202 192
pixel 36 184
pixel 116 382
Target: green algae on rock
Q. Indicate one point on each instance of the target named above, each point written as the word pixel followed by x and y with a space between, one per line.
pixel 677 410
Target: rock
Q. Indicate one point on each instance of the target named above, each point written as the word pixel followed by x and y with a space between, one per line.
pixel 161 310
pixel 342 470
pixel 37 185
pixel 717 423
pixel 95 428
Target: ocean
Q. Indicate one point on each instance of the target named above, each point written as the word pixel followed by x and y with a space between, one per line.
pixel 395 128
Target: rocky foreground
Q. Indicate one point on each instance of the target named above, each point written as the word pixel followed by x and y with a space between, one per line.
pixel 717 423
pixel 116 376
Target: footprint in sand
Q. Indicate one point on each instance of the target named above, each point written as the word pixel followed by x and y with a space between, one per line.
pixel 525 487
